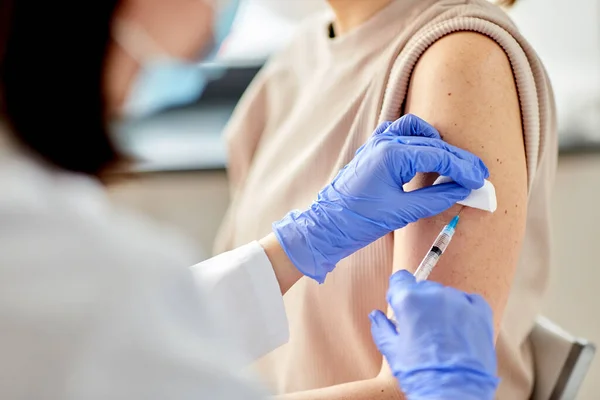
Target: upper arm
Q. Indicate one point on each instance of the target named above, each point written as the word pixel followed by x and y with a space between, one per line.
pixel 463 85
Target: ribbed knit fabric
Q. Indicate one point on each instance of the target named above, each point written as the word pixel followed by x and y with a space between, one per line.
pixel 303 118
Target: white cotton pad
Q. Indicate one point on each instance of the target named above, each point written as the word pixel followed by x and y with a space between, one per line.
pixel 483 199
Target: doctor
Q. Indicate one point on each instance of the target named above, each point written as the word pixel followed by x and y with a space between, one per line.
pixel 97 303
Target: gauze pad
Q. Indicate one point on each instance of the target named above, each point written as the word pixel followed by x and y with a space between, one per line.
pixel 483 199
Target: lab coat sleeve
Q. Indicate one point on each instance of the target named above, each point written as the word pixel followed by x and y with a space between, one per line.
pixel 243 289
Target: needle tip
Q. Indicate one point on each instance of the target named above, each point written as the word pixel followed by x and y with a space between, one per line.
pixel 454 222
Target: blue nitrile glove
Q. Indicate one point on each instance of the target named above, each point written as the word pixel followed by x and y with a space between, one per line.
pixel 366 201
pixel 443 346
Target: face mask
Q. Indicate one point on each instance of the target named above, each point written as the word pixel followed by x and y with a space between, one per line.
pixel 164 81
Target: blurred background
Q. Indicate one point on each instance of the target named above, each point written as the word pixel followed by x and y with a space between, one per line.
pixel 182 155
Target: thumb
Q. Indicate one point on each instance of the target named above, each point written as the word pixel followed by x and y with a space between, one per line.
pixel 384 333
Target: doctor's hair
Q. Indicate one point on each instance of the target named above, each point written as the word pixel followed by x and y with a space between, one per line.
pixel 52 80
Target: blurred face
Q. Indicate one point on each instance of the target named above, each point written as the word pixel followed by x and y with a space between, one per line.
pixel 181 29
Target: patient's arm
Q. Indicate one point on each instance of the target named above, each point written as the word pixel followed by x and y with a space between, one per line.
pixel 380 388
pixel 463 85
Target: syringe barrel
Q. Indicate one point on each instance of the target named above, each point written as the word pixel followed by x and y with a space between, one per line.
pixel 426 266
pixel 433 255
pixel 443 239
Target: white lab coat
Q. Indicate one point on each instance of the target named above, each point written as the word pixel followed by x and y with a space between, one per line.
pixel 97 303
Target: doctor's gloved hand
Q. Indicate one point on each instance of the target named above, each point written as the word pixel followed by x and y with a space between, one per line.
pixel 443 346
pixel 366 200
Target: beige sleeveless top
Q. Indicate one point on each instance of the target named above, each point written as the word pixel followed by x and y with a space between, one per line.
pixel 303 118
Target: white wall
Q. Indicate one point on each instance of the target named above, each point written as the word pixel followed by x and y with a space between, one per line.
pixel 566 35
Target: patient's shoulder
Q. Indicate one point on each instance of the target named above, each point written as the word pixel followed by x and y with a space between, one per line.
pixel 467 58
pixel 463 84
pixel 466 76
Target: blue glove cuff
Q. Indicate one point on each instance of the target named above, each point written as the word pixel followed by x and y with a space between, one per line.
pixel 296 234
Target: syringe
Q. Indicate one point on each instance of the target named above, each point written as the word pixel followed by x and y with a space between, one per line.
pixel 437 249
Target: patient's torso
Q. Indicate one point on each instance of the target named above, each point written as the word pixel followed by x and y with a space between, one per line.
pixel 291 165
pixel 303 119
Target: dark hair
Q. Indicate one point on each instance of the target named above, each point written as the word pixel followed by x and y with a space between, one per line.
pixel 52 56
pixel 507 3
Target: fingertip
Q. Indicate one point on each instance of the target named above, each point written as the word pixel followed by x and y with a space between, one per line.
pixel 382 128
pixel 400 283
pixel 484 311
pixel 411 125
pixel 480 173
pixel 481 303
pixel 486 171
pixel 375 316
pixel 468 169
pixel 456 164
pixel 420 127
pixel 473 182
pixel 402 278
pixel 381 326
